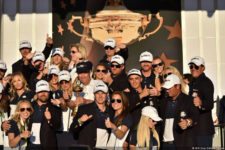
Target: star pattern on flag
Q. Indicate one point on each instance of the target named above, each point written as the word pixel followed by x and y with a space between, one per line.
pixel 60 29
pixel 167 61
pixel 175 31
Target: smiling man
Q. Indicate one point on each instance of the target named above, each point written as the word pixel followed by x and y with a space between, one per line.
pixel 117 80
pixel 89 123
pixel 202 89
pixel 179 117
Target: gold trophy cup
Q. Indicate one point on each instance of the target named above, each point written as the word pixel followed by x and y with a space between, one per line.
pixel 77 88
pixel 122 24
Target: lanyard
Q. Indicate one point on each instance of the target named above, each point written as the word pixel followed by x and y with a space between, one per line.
pixel 23 127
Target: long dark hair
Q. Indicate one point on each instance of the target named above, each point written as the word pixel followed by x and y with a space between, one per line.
pixel 125 110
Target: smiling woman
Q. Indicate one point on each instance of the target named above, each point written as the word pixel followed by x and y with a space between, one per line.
pixel 18 133
pixel 19 90
pixel 122 120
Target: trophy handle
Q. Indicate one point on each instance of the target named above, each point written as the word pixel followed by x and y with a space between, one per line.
pixel 84 23
pixel 156 30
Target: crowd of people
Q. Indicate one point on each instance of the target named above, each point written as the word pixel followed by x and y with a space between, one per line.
pixel 71 104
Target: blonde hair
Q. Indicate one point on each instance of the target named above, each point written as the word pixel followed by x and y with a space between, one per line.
pixel 16 115
pixel 80 48
pixel 12 89
pixel 143 133
pixel 71 86
pixel 62 65
pixel 175 71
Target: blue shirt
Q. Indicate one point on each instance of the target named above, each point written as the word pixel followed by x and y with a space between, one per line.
pixel 38 112
pixel 27 95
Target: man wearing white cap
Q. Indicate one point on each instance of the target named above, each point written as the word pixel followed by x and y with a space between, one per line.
pixel 25 50
pixel 45 120
pixel 138 96
pixel 111 49
pixel 89 122
pixel 117 80
pixel 148 76
pixel 179 116
pixel 202 89
pixel 37 72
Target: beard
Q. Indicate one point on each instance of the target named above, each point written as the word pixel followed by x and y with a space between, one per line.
pixel 43 98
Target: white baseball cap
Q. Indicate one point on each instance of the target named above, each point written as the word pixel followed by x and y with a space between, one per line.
pixel 53 69
pixel 151 112
pixel 41 86
pixel 146 56
pixel 3 65
pixel 100 86
pixel 118 59
pixel 170 81
pixel 1 88
pixel 110 42
pixel 64 75
pixel 197 60
pixel 25 44
pixel 38 56
pixel 57 51
pixel 134 72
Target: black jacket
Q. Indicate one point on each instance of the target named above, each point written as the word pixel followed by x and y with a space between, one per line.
pixel 136 104
pixel 120 83
pixel 205 89
pixel 48 129
pixel 182 138
pixel 87 133
pixel 18 66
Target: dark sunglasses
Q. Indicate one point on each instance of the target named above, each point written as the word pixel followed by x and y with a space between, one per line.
pixel 108 47
pixel 155 65
pixel 73 52
pixel 2 70
pixel 194 66
pixel 98 70
pixel 23 109
pixel 165 75
pixel 117 66
pixel 118 100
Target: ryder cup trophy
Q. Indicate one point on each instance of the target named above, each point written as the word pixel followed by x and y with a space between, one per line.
pixel 118 22
pixel 77 88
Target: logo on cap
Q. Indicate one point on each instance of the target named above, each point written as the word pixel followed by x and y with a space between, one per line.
pixel 43 84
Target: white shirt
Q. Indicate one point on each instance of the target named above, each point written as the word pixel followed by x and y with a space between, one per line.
pixel 168 131
pixel 89 90
pixel 102 138
pixel 67 116
pixel 114 142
